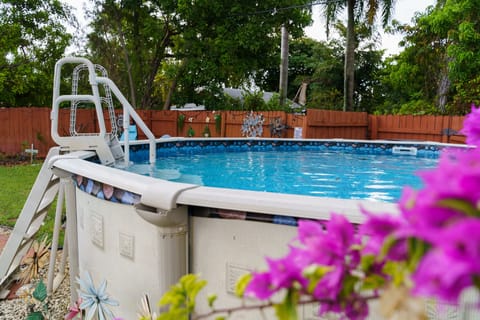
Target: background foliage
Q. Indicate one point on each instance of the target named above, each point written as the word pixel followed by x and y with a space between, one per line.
pixel 33 37
pixel 163 53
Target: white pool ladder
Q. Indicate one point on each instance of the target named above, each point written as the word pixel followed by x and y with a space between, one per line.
pixel 105 144
pixel 48 185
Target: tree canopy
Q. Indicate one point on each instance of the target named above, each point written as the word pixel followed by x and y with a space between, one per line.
pixel 33 37
pixel 168 52
pixel 171 49
pixel 437 72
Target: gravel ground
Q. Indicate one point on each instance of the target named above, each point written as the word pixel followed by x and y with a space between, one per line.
pixel 15 309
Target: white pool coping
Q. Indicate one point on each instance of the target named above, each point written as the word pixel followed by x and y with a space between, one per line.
pixel 167 195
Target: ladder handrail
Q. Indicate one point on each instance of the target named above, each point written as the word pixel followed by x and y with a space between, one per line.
pixel 129 111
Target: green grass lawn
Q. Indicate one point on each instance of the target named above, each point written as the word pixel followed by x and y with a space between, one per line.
pixel 16 182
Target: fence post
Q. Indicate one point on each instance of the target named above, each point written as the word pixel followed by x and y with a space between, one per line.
pixel 373 134
pixel 445 133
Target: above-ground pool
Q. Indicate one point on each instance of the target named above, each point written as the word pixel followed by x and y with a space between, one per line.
pixel 333 169
pixel 156 230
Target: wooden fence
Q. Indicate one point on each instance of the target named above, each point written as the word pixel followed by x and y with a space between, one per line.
pixel 425 128
pixel 22 127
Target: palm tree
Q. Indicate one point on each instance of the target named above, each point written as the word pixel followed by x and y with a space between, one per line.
pixel 355 8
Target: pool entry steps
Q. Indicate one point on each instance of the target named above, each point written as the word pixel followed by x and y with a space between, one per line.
pixel 102 144
pixel 34 211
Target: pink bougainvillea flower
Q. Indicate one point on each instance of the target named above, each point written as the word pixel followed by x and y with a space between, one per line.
pixel 471 127
pixel 309 230
pixel 377 228
pixel 453 262
pixel 285 272
pixel 426 216
pixel 329 287
pixel 357 309
pixel 342 230
pixel 260 286
pixel 327 245
pixel 461 242
pixel 456 176
pixel 439 275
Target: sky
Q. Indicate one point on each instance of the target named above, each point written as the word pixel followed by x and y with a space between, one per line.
pixel 404 12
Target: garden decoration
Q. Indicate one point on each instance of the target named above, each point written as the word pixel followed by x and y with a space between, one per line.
pixel 431 250
pixel 252 125
pixel 206 131
pixel 190 132
pixel 35 261
pixel 277 127
pixel 74 310
pixel 95 301
pixel 145 310
pixel 180 122
pixel 37 302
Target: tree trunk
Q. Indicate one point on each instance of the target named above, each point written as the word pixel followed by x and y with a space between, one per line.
pixel 173 85
pixel 443 86
pixel 133 98
pixel 284 66
pixel 168 98
pixel 349 72
pixel 155 65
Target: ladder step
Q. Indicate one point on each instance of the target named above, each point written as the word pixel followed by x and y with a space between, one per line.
pixel 53 180
pixel 4 292
pixel 57 281
pixel 48 197
pixel 18 257
pixel 35 225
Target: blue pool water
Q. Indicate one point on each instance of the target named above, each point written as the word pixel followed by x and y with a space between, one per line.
pixel 323 173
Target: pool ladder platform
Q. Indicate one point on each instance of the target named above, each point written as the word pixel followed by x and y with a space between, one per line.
pixel 50 186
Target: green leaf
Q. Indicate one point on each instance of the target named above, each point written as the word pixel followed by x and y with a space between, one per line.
pixel 388 243
pixel 37 315
pixel 416 249
pixel 287 310
pixel 40 292
pixel 372 282
pixel 396 270
pixel 348 287
pixel 181 297
pixel 242 284
pixel 460 205
pixel 367 261
pixel 314 274
pixel 211 299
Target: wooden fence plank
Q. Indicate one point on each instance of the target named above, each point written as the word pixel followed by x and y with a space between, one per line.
pixel 7 119
pixel 336 124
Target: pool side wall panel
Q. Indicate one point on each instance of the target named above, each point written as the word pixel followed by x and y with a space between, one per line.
pixel 133 255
